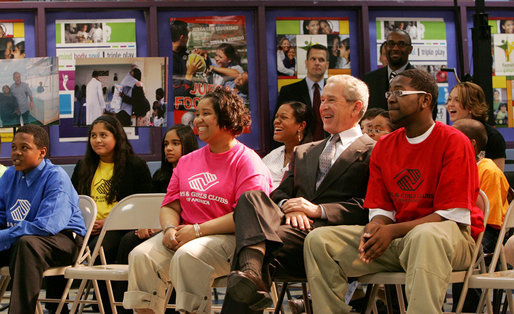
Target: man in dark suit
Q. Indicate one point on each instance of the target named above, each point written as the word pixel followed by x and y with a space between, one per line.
pixel 309 89
pixel 325 185
pixel 398 47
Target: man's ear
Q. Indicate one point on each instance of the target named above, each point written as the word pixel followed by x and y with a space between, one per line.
pixel 42 152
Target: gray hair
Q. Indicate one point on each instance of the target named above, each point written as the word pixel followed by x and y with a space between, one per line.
pixel 354 89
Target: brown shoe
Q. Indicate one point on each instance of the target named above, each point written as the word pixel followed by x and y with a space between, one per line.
pixel 245 288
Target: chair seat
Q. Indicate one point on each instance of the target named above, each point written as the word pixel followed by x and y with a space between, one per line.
pixel 116 272
pixel 55 271
pixel 498 280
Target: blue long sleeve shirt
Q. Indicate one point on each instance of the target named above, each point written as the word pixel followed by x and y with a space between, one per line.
pixel 42 202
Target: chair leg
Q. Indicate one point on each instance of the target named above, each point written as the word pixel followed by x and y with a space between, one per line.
pixel 389 299
pixel 280 300
pixel 98 297
pixel 306 298
pixel 80 292
pixel 110 293
pixel 510 301
pixel 401 299
pixel 372 299
pixel 39 309
pixel 64 295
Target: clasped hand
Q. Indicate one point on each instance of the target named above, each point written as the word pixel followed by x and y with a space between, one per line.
pixel 375 239
pixel 299 212
pixel 175 238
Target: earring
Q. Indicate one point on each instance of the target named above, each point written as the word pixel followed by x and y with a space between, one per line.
pixel 299 135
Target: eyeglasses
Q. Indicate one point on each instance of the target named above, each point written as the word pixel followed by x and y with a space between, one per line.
pixel 401 93
pixel 400 44
pixel 376 131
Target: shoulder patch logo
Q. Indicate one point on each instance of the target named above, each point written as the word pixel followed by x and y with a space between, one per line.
pixel 20 209
pixel 409 179
pixel 203 181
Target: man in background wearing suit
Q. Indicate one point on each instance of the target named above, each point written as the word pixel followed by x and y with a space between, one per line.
pixel 325 185
pixel 309 89
pixel 398 47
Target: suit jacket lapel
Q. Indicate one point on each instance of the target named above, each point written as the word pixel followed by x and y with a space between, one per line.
pixel 352 153
pixel 304 93
pixel 312 165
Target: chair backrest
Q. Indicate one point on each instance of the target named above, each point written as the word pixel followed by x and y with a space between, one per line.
pixel 483 204
pixel 133 212
pixel 508 223
pixel 88 209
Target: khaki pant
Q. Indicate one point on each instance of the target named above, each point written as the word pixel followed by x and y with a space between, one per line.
pixel 191 270
pixel 427 254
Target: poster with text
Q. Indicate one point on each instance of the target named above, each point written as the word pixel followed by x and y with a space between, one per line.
pixel 428 36
pixel 296 35
pixel 502 47
pixel 100 38
pixel 113 38
pixel 208 51
pixel 12 46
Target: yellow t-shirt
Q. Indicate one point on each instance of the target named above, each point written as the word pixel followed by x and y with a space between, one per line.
pixel 100 188
pixel 495 185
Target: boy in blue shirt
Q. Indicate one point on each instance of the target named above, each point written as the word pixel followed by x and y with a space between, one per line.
pixel 41 224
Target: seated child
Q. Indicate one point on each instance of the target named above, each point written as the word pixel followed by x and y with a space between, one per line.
pixel 380 126
pixel 370 114
pixel 41 223
pixel 492 181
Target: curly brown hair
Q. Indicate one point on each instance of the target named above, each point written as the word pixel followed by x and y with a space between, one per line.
pixel 472 98
pixel 232 113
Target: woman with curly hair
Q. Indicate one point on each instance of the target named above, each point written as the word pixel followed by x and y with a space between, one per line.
pixel 467 101
pixel 197 242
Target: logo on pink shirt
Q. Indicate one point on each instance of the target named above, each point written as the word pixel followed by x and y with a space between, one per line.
pixel 203 181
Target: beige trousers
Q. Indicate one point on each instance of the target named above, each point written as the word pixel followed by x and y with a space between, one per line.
pixel 191 270
pixel 427 254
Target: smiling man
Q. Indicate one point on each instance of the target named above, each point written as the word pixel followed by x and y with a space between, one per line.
pixel 398 47
pixel 423 187
pixel 325 185
pixel 41 224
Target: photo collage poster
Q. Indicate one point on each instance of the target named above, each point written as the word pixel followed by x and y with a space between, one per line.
pixel 214 53
pixel 502 31
pixel 12 34
pixel 294 37
pixel 429 51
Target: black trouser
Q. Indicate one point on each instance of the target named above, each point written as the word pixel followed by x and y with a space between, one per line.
pixel 29 257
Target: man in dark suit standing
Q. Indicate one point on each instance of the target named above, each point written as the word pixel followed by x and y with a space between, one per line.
pixel 398 47
pixel 325 185
pixel 309 89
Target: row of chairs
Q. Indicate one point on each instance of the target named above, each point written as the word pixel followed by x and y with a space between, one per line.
pixel 142 211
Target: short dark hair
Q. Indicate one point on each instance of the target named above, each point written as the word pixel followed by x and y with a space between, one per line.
pixel 136 73
pixel 41 138
pixel 95 74
pixel 159 92
pixel 423 81
pixel 474 130
pixel 178 28
pixel 382 46
pixel 397 30
pixel 319 47
pixel 230 109
pixel 371 113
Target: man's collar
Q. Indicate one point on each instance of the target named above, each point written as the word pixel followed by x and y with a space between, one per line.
pixel 353 132
pixel 34 174
pixel 310 83
pixel 400 70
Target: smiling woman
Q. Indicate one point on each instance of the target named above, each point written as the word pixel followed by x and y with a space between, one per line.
pixel 292 126
pixel 197 243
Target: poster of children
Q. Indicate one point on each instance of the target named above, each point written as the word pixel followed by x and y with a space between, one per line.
pixel 207 52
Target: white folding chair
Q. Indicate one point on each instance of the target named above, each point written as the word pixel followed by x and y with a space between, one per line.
pixel 398 278
pixel 503 279
pixel 88 209
pixel 133 212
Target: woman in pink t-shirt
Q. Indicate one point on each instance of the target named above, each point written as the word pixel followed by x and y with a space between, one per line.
pixel 197 243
